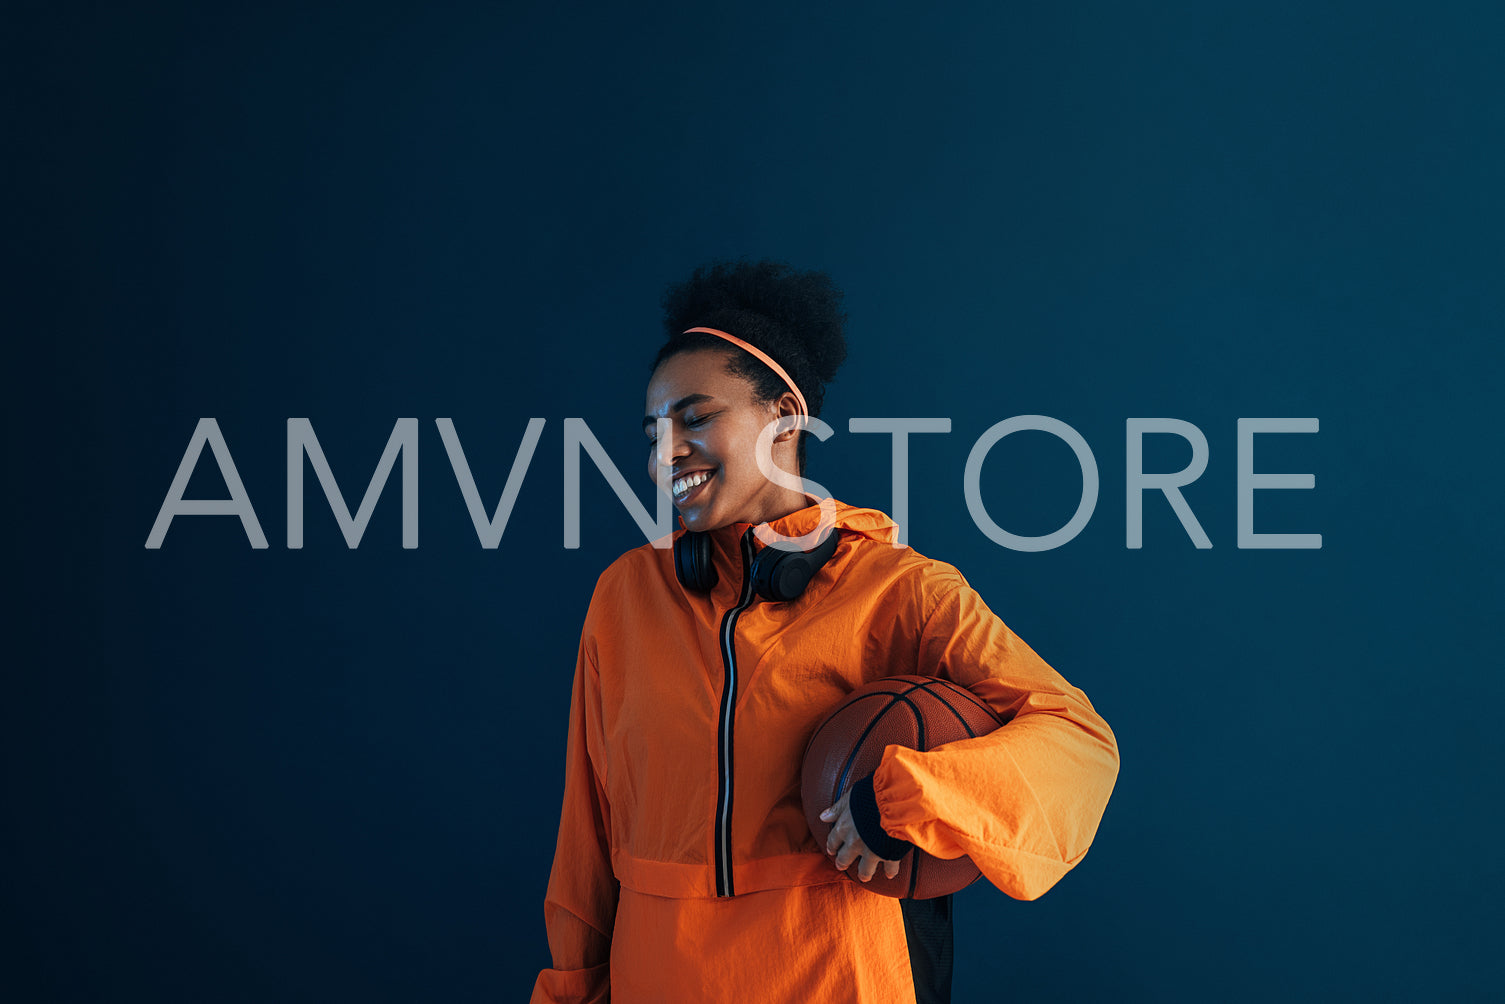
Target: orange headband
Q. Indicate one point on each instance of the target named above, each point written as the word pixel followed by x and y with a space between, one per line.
pixel 763 356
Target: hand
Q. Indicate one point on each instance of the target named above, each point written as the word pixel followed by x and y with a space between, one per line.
pixel 848 846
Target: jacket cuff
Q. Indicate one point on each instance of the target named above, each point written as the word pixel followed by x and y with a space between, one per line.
pixel 863 805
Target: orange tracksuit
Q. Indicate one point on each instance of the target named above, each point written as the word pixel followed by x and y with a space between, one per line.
pixel 663 890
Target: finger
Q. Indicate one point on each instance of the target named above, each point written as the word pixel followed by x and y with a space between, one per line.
pixel 866 867
pixel 841 832
pixel 846 856
pixel 829 814
pixel 891 869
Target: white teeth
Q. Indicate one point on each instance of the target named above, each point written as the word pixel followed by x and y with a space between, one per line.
pixel 685 484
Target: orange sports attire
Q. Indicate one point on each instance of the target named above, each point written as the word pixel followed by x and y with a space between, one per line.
pixel 684 868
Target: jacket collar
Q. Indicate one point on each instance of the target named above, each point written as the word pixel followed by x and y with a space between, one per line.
pixel 871 523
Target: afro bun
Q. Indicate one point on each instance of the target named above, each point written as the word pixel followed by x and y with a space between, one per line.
pixel 795 317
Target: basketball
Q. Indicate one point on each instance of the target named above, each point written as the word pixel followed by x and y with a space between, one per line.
pixel 918 712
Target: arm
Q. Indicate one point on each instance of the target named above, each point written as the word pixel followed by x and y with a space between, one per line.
pixel 581 902
pixel 1024 801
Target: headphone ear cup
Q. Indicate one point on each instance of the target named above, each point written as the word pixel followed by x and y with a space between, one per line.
pixel 692 561
pixel 781 576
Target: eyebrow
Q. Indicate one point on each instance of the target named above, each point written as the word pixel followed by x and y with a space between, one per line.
pixel 680 405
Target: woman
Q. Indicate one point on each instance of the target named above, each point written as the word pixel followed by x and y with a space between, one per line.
pixel 684 868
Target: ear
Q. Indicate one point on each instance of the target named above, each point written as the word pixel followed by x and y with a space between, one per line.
pixel 786 405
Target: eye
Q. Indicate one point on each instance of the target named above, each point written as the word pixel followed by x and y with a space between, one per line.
pixel 693 423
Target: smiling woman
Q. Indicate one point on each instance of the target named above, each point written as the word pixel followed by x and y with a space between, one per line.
pixel 684 868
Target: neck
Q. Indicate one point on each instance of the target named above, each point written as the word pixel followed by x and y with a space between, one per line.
pixel 780 504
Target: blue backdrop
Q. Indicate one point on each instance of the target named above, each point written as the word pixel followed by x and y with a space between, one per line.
pixel 329 774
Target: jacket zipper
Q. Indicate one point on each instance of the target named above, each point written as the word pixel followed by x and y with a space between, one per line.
pixel 728 710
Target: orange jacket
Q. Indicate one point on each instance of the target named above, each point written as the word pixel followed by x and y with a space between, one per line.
pixel 664 890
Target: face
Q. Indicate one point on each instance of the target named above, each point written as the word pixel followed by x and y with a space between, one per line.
pixel 713 434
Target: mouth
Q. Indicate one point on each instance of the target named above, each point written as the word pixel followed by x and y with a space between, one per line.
pixel 690 486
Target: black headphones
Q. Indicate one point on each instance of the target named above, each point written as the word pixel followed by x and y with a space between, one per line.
pixel 777 574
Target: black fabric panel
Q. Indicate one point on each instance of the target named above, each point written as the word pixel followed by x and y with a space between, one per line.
pixel 927 926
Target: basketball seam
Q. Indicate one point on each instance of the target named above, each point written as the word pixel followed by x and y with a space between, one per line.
pixel 979 702
pixel 914 862
pixel 964 723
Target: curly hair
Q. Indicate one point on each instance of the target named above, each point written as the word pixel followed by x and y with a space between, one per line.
pixel 795 317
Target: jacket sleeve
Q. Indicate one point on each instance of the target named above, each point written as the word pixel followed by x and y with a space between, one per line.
pixel 581 902
pixel 1024 801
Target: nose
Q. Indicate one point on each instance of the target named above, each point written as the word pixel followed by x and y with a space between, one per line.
pixel 664 453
